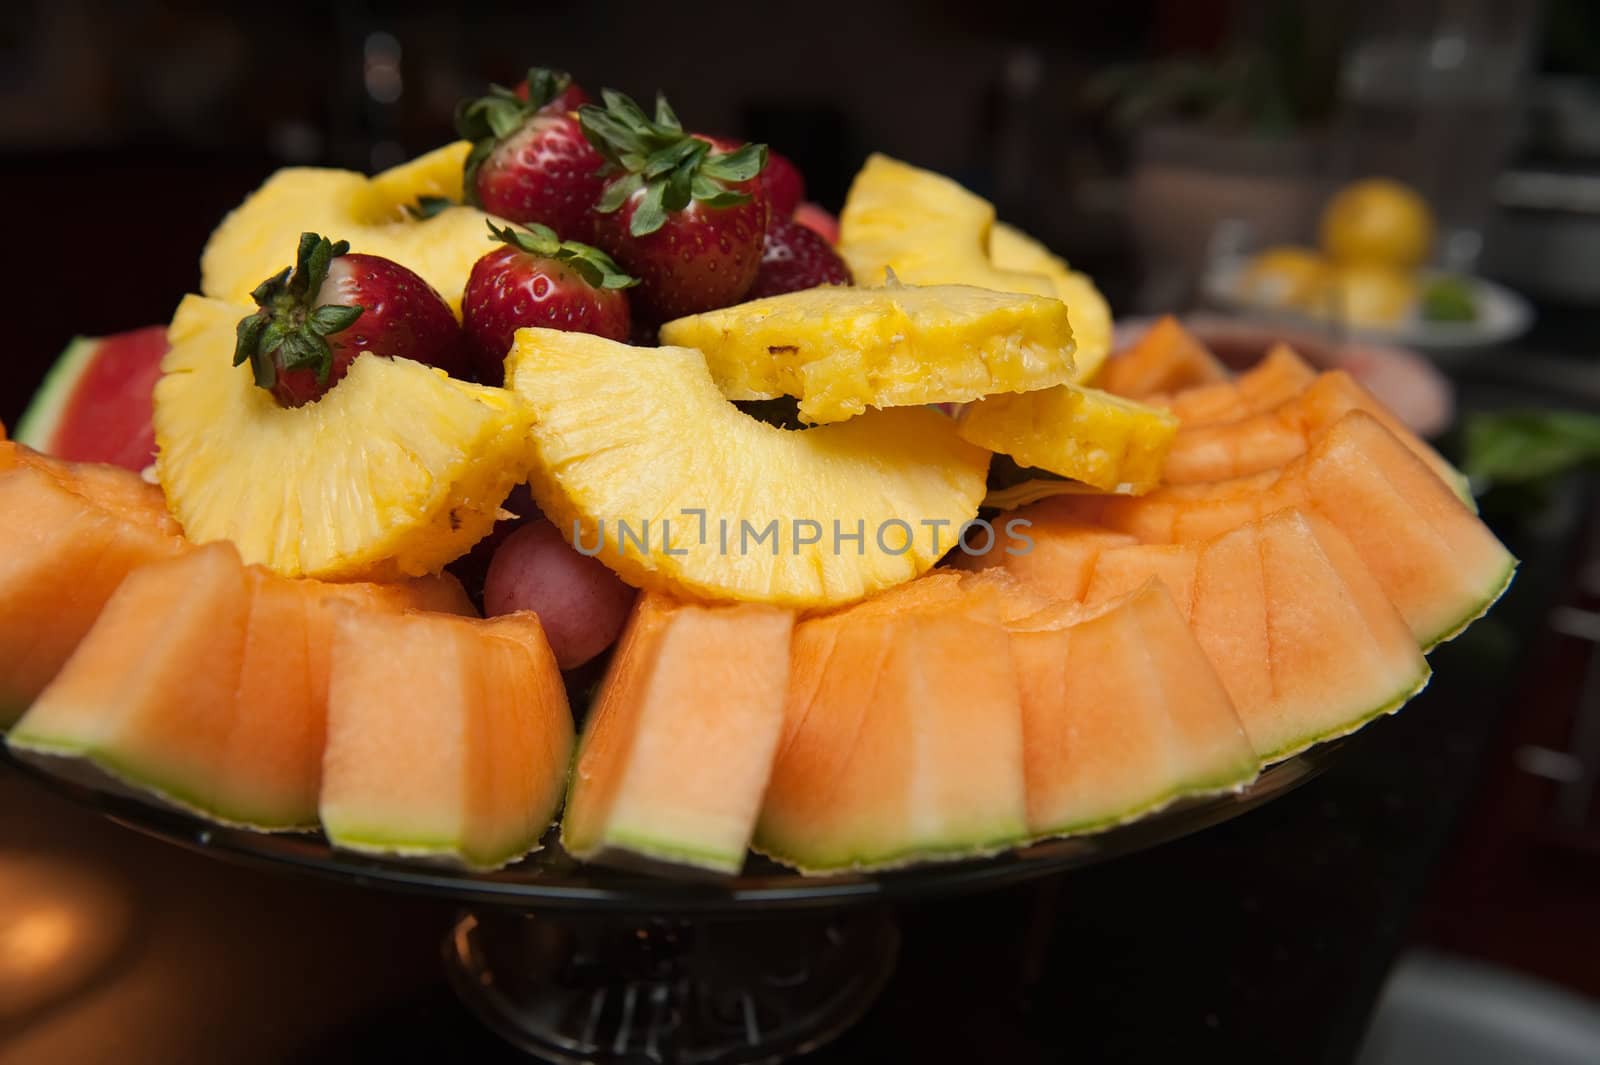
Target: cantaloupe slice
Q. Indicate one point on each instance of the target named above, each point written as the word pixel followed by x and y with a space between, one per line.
pixel 1166 358
pixel 1055 551
pixel 1435 560
pixel 70 536
pixel 1121 714
pixel 1301 634
pixel 1278 436
pixel 204 684
pixel 449 738
pixel 902 740
pixel 1280 376
pixel 679 743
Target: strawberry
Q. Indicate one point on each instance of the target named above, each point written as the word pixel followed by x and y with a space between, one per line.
pixel 819 221
pixel 560 93
pixel 334 305
pixel 682 212
pixel 793 258
pixel 538 279
pixel 530 161
pixel 786 189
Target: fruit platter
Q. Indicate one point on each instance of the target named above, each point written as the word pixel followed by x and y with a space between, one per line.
pixel 576 516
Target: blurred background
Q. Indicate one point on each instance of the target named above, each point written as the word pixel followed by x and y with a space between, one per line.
pixel 1441 888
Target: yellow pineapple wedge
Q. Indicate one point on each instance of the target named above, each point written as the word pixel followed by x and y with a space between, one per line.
pixel 642 462
pixel 1110 443
pixel 840 350
pixel 370 213
pixel 1012 249
pixel 931 231
pixel 396 471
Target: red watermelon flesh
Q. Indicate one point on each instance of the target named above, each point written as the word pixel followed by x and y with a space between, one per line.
pixel 95 403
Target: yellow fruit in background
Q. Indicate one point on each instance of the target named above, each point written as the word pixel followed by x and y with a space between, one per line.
pixel 396 471
pixel 1284 276
pixel 1365 294
pixel 370 213
pixel 840 350
pixel 675 488
pixel 1377 220
pixel 931 231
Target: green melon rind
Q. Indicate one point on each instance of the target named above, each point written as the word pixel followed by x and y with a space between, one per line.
pixel 38 424
pixel 983 844
pixel 1231 781
pixel 104 770
pixel 1501 583
pixel 621 845
pixel 394 843
pixel 1393 705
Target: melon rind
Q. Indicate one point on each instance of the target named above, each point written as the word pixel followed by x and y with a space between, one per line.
pixel 38 424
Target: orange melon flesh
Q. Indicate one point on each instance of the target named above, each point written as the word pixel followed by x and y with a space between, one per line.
pixel 1058 556
pixel 1435 560
pixel 1278 377
pixel 233 728
pixel 448 738
pixel 148 698
pixel 1121 714
pixel 1276 437
pixel 902 740
pixel 65 554
pixel 1166 359
pixel 1303 637
pixel 679 745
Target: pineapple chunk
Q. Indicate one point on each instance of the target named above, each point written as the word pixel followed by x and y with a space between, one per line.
pixel 1012 249
pixel 931 231
pixel 1111 443
pixel 841 350
pixel 641 461
pixel 368 212
pixel 396 471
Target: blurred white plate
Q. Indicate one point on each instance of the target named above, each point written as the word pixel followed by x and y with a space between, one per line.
pixel 1502 314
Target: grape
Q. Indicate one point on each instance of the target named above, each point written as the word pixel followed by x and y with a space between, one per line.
pixel 581 604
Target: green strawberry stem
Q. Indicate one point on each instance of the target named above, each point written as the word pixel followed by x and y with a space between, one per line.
pixel 656 155
pixel 287 331
pixel 593 265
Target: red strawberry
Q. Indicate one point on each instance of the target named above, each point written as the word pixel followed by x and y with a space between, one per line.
pixel 530 161
pixel 785 187
pixel 537 279
pixel 684 213
pixel 560 93
pixel 334 305
pixel 819 221
pixel 794 258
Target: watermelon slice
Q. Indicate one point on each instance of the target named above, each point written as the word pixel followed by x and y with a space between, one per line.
pixel 689 686
pixel 95 403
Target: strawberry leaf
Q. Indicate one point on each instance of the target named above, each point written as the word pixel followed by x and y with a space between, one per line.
pixel 545 85
pixel 333 318
pixel 617 193
pixel 428 207
pixel 592 264
pixel 742 164
pixel 665 115
pixel 651 213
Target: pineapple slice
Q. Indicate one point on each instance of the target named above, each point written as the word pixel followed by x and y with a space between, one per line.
pixel 396 471
pixel 931 231
pixel 641 461
pixel 841 350
pixel 1012 249
pixel 1111 443
pixel 368 212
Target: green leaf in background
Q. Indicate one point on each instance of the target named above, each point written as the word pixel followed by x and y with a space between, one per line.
pixel 1510 447
pixel 1449 299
